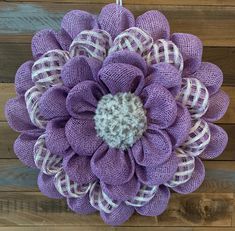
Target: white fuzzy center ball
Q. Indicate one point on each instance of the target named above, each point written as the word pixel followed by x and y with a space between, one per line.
pixel 120 119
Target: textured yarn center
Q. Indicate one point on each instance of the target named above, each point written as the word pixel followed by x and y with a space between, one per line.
pixel 120 119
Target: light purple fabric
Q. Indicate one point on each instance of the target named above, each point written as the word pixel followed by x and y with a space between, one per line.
pixel 79 69
pixel 155 24
pixel 23 146
pixel 81 205
pixel 23 80
pixel 44 41
pixel 114 19
pixel 47 187
pixel 190 47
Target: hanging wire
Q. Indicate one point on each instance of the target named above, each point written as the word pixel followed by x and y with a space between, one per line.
pixel 119 2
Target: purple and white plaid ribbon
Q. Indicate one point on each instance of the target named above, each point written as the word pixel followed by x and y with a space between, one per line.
pixel 184 171
pixel 91 43
pixel 69 188
pixel 194 95
pixel 100 201
pixel 32 97
pixel 144 195
pixel 164 51
pixel 46 71
pixel 133 39
pixel 48 163
pixel 198 139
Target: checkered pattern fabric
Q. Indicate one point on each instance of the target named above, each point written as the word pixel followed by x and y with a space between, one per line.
pixel 194 95
pixel 46 70
pixel 91 43
pixel 164 51
pixel 69 188
pixel 100 200
pixel 132 39
pixel 144 195
pixel 185 169
pixel 48 163
pixel 198 139
pixel 32 97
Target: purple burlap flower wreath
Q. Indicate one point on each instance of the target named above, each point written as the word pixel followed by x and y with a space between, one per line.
pixel 114 112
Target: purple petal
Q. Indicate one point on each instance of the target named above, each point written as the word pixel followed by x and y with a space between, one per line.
pixel 81 205
pixel 210 75
pixel 112 166
pixel 77 21
pixel 120 215
pixel 81 135
pixel 195 180
pixel 79 69
pixel 156 175
pixel 56 140
pixel 17 115
pixel 153 148
pixel 155 24
pixel 160 105
pixel 127 57
pixel 157 205
pixel 114 19
pixel 64 39
pixel 52 104
pixel 83 98
pixel 218 142
pixel 44 41
pixel 179 130
pixel 24 145
pixel 47 187
pixel 122 192
pixel 190 47
pixel 120 77
pixel 23 80
pixel 78 169
pixel 218 105
pixel 166 75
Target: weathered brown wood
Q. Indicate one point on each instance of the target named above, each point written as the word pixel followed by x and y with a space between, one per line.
pixel 211 23
pixel 22 209
pixel 146 2
pixel 14 176
pixel 7 137
pixel 12 55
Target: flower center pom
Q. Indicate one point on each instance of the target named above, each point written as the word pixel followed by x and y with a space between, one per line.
pixel 120 119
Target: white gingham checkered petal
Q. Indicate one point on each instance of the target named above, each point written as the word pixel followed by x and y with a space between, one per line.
pixel 69 188
pixel 164 51
pixel 185 169
pixel 198 139
pixel 91 43
pixel 48 163
pixel 132 39
pixel 144 195
pixel 46 70
pixel 100 201
pixel 32 97
pixel 194 95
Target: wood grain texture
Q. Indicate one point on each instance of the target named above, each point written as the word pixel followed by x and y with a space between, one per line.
pixel 21 209
pixel 12 55
pixel 24 19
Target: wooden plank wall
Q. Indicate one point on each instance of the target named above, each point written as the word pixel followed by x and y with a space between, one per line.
pixel 24 208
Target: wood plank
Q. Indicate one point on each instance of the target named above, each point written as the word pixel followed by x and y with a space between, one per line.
pixel 8 136
pixel 12 55
pixel 146 2
pixel 14 176
pixel 22 209
pixel 211 23
pixel 7 91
